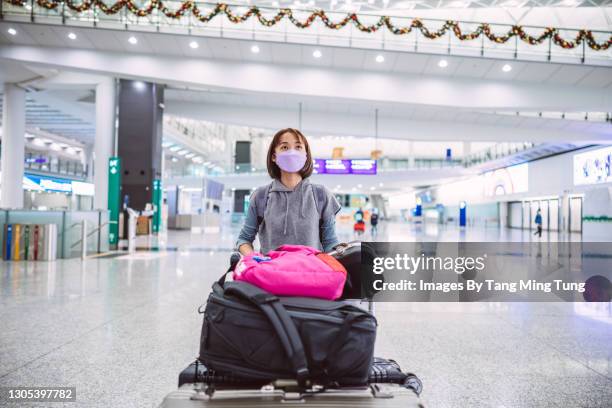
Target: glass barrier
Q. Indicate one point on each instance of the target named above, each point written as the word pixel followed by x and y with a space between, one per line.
pixel 68 226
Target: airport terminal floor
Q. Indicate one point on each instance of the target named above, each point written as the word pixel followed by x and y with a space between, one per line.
pixel 120 328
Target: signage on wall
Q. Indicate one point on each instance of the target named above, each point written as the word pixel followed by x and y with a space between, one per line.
pixel 593 167
pixel 51 184
pixel 114 189
pixel 34 182
pixel 37 160
pixel 345 166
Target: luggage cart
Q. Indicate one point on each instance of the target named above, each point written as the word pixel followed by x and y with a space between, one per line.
pixel 388 385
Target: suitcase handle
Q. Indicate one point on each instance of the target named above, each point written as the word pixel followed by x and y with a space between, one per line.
pixel 280 320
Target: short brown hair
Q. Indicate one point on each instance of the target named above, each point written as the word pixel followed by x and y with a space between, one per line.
pixel 273 170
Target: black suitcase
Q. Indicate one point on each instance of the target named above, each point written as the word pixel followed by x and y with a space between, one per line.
pixel 250 333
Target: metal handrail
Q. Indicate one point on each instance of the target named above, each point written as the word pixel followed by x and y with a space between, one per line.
pixel 91 232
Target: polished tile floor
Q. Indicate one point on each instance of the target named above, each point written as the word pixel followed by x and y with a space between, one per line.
pixel 121 328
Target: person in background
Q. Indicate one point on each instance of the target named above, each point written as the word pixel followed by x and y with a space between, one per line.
pixel 538 223
pixel 359 215
pixel 359 227
pixel 374 221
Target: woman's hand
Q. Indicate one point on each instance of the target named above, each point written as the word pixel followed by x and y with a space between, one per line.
pixel 245 249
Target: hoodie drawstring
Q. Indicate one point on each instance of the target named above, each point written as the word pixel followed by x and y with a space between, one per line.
pixel 286 212
pixel 303 203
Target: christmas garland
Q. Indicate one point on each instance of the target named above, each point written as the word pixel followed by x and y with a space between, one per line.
pixel 351 18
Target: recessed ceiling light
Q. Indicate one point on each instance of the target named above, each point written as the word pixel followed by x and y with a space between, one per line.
pixel 255 49
pixel 12 31
pixel 443 63
pixel 370 1
pixel 133 40
pixel 72 36
pixel 507 68
pixel 139 85
pixel 194 44
pixel 317 54
pixel 275 4
pixel 380 58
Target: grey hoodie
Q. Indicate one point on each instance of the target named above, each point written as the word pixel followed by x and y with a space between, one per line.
pixel 292 217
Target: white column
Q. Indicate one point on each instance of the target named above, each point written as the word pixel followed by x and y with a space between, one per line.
pixel 87 160
pixel 411 160
pixel 13 146
pixel 103 145
pixel 467 148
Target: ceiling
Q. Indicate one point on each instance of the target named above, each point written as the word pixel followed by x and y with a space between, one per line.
pixel 70 110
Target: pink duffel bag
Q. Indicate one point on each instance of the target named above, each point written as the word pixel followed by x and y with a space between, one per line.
pixel 293 270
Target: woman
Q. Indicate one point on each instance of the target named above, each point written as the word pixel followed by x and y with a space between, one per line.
pixel 290 210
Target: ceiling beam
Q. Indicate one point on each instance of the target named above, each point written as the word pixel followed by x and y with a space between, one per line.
pixel 326 123
pixel 314 82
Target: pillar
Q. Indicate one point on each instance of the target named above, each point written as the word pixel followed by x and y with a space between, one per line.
pixel 88 162
pixel 139 140
pixel 13 146
pixel 467 150
pixel 105 137
pixel 411 154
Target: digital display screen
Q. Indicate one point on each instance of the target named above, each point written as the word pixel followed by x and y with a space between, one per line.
pixel 318 166
pixel 593 167
pixel 337 166
pixel 345 166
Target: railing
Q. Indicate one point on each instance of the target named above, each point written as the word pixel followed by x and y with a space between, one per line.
pixel 41 163
pixel 383 166
pixel 495 152
pixel 82 243
pixel 465 38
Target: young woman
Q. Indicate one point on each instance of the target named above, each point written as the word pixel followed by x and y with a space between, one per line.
pixel 290 210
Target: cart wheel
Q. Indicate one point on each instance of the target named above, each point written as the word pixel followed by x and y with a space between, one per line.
pixel 414 383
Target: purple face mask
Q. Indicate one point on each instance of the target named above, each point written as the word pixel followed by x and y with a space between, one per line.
pixel 291 160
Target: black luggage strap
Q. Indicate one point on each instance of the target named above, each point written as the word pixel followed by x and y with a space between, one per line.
pixel 280 320
pixel 341 337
